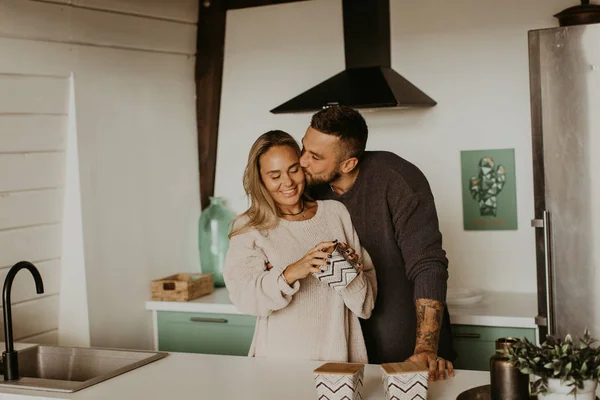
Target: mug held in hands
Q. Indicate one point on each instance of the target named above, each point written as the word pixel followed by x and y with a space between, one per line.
pixel 339 272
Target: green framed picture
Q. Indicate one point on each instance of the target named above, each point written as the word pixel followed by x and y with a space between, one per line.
pixel 489 189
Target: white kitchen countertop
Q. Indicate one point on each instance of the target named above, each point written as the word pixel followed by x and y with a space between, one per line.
pixel 215 303
pixel 201 376
pixel 517 310
pixel 501 309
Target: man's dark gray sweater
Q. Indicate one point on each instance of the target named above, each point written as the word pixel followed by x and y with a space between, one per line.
pixel 393 212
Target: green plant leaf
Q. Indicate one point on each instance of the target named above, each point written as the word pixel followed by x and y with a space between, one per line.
pixel 568 368
pixel 568 339
pixel 556 358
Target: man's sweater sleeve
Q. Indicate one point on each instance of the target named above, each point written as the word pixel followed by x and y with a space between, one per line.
pixel 360 294
pixel 420 241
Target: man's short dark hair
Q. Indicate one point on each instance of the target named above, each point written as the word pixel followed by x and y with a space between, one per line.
pixel 347 124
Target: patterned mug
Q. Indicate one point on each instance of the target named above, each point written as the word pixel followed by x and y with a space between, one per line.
pixel 340 271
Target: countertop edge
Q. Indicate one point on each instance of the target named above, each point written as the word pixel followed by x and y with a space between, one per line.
pixel 497 310
pixel 495 321
pixel 192 307
pixel 479 320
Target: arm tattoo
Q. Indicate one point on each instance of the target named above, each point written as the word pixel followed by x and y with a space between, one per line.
pixel 429 323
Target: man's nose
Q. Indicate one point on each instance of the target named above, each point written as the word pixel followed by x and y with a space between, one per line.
pixel 304 160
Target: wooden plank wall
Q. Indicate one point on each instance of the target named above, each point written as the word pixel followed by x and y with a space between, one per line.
pixel 131 67
pixel 71 24
pixel 33 128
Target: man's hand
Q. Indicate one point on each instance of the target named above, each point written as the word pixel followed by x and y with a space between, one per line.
pixel 437 366
pixel 351 255
pixel 429 323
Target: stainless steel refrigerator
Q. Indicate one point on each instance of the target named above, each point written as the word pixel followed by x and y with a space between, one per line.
pixel 565 110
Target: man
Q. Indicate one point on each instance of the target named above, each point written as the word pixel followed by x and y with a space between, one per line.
pixel 394 214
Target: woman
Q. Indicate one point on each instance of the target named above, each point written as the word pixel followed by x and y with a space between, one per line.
pixel 275 247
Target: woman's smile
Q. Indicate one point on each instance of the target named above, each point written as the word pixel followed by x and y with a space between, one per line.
pixel 290 192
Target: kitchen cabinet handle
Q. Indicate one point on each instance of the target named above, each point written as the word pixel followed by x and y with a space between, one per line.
pixel 206 319
pixel 467 335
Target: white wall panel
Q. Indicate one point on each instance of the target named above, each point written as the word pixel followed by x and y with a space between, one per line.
pixel 34 317
pixel 22 133
pixel 33 95
pixel 178 10
pixel 31 171
pixel 30 244
pixel 59 23
pixel 23 286
pixel 19 209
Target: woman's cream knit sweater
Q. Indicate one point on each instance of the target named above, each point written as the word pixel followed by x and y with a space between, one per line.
pixel 309 320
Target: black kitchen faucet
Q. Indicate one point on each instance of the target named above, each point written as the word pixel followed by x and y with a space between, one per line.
pixel 9 357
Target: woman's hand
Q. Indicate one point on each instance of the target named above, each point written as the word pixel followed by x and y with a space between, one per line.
pixel 309 264
pixel 351 255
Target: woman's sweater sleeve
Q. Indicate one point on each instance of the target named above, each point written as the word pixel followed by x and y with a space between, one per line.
pixel 252 288
pixel 359 296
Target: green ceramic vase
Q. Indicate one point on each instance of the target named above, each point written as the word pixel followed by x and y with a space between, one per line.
pixel 214 226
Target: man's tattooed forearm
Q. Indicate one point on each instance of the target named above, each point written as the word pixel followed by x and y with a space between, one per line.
pixel 429 323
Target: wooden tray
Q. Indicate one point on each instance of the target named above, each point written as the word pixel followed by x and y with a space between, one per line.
pixel 481 393
pixel 182 287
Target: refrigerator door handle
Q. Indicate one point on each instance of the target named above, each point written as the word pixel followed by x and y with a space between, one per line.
pixel 544 223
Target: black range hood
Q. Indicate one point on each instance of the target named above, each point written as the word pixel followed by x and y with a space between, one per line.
pixel 368 82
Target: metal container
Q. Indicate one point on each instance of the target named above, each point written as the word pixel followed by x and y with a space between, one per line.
pixel 583 14
pixel 507 382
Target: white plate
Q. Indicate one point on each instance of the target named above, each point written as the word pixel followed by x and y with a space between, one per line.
pixel 463 297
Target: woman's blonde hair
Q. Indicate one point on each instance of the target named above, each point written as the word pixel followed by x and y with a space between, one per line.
pixel 263 214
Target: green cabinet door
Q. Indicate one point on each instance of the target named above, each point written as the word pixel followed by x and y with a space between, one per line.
pixel 475 345
pixel 227 334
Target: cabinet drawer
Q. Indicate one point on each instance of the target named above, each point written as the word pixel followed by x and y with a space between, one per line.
pixel 227 334
pixel 476 344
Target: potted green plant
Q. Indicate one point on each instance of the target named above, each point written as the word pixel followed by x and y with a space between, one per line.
pixel 565 370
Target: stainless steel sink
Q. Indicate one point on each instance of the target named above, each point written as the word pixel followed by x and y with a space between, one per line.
pixel 69 369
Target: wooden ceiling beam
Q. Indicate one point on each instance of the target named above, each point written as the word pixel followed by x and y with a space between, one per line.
pixel 210 49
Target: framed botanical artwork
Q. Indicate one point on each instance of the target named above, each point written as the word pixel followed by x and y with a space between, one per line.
pixel 489 189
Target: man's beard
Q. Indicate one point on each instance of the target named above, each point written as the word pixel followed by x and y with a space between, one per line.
pixel 311 180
